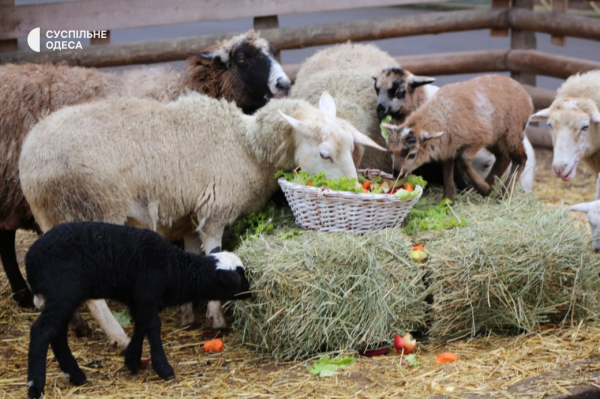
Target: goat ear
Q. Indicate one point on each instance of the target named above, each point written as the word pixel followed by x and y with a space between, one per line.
pixel 390 126
pixel 583 207
pixel 327 104
pixel 296 124
pixel 540 116
pixel 416 81
pixel 221 55
pixel 428 136
pixel 363 139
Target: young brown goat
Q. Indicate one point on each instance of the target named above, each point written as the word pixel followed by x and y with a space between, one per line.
pixel 486 112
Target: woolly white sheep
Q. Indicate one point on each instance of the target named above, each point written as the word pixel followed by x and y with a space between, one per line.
pixel 190 166
pixel 400 93
pixel 242 69
pixel 74 262
pixel 346 72
pixel 462 118
pixel 574 119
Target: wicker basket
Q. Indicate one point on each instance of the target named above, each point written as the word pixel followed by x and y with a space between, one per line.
pixel 327 210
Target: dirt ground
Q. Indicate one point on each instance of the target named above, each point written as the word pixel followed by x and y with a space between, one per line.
pixel 487 367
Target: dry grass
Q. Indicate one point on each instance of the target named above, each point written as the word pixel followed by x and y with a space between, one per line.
pixel 488 365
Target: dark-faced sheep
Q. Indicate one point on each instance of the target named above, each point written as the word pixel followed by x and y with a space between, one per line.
pixel 242 69
pixel 488 112
pixel 75 262
pixel 186 169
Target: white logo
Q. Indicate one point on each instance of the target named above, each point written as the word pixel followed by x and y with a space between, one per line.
pixel 33 39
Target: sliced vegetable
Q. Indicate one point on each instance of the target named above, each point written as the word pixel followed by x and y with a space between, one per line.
pixel 446 357
pixel 418 247
pixel 326 367
pixel 418 255
pixel 385 133
pixel 214 345
pixel 405 344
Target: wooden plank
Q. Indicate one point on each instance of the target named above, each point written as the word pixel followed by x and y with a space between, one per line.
pixel 523 40
pixel 268 22
pixel 93 15
pixel 100 40
pixel 281 38
pixel 10 44
pixel 500 32
pixel 541 63
pixel 542 98
pixel 559 7
pixel 555 24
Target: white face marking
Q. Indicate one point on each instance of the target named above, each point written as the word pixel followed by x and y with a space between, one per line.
pixel 227 261
pixel 29 384
pixel 39 301
pixel 279 83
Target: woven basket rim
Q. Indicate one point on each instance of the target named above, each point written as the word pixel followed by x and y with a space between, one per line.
pixel 327 192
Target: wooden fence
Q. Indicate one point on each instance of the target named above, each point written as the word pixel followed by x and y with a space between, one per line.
pixel 518 20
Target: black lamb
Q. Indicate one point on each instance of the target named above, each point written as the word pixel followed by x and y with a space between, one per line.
pixel 78 261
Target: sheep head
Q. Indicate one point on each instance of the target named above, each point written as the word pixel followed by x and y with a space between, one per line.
pixel 407 144
pixel 395 88
pixel 245 68
pixel 574 124
pixel 325 142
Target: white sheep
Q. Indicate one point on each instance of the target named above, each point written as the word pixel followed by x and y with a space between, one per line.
pixel 592 209
pixel 574 119
pixel 346 71
pixel 400 93
pixel 190 166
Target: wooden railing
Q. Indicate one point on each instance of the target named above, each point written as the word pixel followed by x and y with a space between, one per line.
pixel 519 21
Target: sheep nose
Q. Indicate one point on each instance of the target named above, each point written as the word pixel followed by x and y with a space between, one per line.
pixel 381 111
pixel 284 85
pixel 558 170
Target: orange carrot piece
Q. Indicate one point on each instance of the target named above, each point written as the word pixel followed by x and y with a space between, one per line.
pixel 418 247
pixel 446 357
pixel 408 187
pixel 365 190
pixel 214 345
pixel 309 183
pixel 367 184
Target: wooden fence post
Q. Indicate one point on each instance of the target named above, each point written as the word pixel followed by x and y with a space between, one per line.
pixel 500 32
pixel 10 44
pixel 559 7
pixel 268 22
pixel 523 40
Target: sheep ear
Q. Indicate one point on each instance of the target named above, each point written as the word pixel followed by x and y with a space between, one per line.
pixel 583 207
pixel 363 139
pixel 596 117
pixel 540 116
pixel 229 278
pixel 327 104
pixel 221 55
pixel 428 136
pixel 296 124
pixel 416 81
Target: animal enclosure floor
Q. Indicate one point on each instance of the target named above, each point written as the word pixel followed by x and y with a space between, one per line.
pixel 546 363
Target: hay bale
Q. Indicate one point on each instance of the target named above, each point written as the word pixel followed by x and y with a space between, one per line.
pixel 328 292
pixel 518 264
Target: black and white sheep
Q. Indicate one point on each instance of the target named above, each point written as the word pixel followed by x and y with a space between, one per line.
pixel 74 262
pixel 242 69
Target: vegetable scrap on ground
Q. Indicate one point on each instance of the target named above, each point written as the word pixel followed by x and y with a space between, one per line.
pixel 489 365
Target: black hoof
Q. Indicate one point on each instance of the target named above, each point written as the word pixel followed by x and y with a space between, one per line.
pixel 77 378
pixel 34 393
pixel 133 365
pixel 24 298
pixel 165 372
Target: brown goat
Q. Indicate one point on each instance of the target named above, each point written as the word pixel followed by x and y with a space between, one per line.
pixel 242 69
pixel 462 118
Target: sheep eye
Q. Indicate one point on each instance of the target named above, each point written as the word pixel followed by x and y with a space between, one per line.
pixel 412 156
pixel 585 128
pixel 325 156
pixel 241 58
